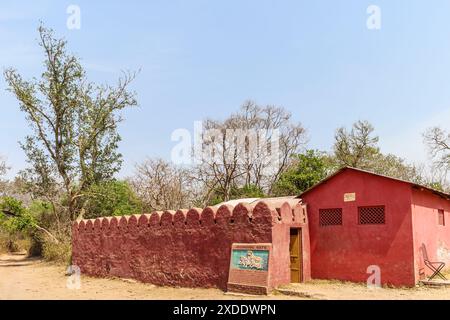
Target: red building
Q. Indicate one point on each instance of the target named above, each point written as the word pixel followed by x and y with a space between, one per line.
pixel 359 219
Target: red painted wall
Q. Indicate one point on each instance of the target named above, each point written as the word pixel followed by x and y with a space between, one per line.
pixel 344 252
pixel 184 248
pixel 292 215
pixel 430 238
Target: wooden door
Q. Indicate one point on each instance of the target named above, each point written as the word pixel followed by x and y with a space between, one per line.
pixel 295 249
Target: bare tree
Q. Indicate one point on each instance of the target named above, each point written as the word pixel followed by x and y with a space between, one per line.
pixel 3 166
pixel 220 165
pixel 162 186
pixel 438 142
pixel 356 148
pixel 251 147
pixel 274 123
pixel 3 169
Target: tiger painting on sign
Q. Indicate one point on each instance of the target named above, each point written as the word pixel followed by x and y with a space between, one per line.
pixel 251 261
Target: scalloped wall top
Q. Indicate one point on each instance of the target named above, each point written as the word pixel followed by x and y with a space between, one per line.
pixel 265 211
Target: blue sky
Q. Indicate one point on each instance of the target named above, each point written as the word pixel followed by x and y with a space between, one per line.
pixel 203 58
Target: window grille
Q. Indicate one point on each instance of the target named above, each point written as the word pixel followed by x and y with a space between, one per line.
pixel 330 217
pixel 371 215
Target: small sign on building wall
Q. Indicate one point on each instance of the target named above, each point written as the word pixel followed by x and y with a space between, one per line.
pixel 349 197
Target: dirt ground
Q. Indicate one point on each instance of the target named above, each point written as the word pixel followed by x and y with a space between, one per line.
pixel 25 278
pixel 31 279
pixel 335 290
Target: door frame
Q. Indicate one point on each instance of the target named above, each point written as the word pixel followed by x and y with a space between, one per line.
pixel 299 232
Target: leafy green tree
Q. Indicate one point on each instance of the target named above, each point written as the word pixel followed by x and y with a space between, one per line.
pixel 74 137
pixel 247 191
pixel 393 166
pixel 359 149
pixel 437 186
pixel 306 170
pixel 14 217
pixel 112 198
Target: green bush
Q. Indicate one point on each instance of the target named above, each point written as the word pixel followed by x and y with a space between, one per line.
pixel 111 198
pixel 307 169
pixel 14 217
pixel 16 225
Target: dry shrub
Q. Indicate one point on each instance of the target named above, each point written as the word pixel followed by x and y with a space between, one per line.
pixel 45 247
pixel 13 243
pixel 4 240
pixel 23 244
pixel 57 252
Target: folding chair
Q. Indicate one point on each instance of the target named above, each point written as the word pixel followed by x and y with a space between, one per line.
pixel 436 267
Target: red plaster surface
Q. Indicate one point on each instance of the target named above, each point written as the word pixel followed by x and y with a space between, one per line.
pixel 344 252
pixel 189 248
pixel 430 238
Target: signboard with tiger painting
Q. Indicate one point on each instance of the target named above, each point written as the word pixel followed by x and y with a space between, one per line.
pixel 249 267
pixel 250 259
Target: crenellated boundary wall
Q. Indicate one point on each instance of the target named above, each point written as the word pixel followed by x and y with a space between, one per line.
pixel 189 248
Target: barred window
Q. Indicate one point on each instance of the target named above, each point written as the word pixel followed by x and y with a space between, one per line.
pixel 441 217
pixel 330 217
pixel 371 215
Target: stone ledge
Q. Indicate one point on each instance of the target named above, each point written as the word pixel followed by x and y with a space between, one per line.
pixel 436 283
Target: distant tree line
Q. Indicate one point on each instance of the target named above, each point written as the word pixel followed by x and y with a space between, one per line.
pixel 210 184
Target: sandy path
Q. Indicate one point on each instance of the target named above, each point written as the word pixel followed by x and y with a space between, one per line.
pixel 22 278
